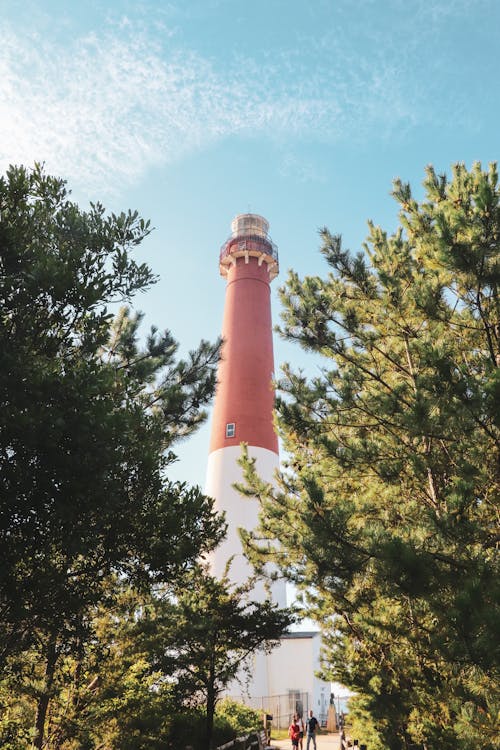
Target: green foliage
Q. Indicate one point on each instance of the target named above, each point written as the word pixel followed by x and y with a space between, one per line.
pixel 156 665
pixel 361 724
pixel 217 630
pixel 189 729
pixel 231 720
pixel 88 419
pixel 388 514
pixel 16 719
pixel 241 718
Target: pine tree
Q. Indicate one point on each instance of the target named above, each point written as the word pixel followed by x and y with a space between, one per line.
pixel 388 510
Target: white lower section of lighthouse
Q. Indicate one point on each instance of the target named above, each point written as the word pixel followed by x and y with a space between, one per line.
pixel 223 471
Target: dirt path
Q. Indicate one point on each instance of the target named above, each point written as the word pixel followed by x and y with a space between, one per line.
pixel 323 741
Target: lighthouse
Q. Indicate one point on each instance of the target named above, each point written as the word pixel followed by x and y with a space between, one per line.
pixel 284 680
pixel 244 400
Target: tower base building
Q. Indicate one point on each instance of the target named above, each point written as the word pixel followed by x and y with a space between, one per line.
pixel 292 684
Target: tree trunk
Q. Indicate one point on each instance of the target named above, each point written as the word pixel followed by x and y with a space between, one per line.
pixel 43 700
pixel 210 706
pixel 210 719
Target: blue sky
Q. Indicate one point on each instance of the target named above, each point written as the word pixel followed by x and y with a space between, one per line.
pixel 193 111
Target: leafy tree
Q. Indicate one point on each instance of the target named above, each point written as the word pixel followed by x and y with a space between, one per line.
pixel 157 664
pixel 112 696
pixel 88 417
pixel 218 627
pixel 388 510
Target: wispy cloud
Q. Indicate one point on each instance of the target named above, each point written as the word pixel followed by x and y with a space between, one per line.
pixel 104 108
pixel 101 109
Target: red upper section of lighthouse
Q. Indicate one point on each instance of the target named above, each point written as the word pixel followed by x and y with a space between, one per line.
pixel 244 401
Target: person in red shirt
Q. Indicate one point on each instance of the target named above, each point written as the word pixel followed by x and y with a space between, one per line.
pixel 294 731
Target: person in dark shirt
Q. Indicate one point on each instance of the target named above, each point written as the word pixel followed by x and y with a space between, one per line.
pixel 311 727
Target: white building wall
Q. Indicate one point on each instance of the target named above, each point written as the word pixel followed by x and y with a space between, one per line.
pixel 292 668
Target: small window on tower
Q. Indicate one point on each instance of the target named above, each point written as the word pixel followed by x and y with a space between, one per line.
pixel 230 429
